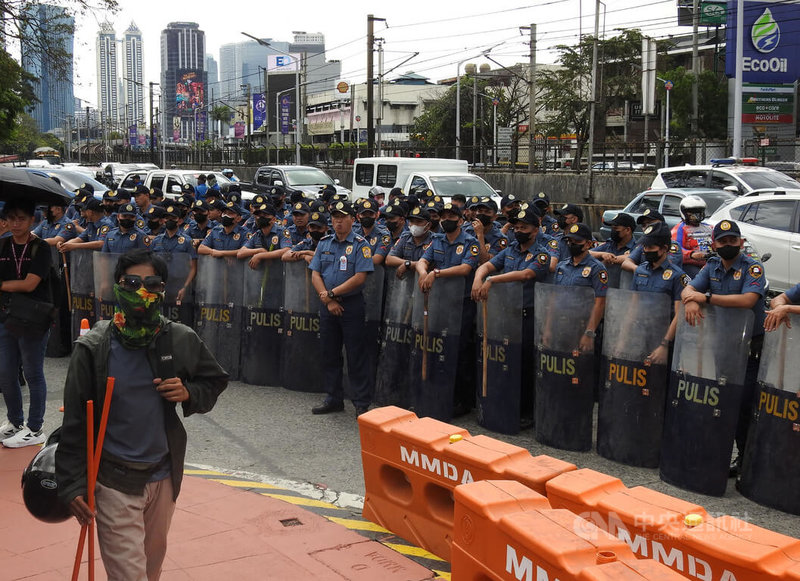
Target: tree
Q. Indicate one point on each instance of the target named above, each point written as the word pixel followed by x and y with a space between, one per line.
pixel 26 137
pixel 16 93
pixel 712 122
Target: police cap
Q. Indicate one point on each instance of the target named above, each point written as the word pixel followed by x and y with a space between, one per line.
pixel 578 231
pixel 267 209
pixel 123 194
pixel 172 210
pixel 233 207
pixel 529 215
pixel 200 206
pixel 93 204
pixel 508 200
pixel 624 220
pixel 396 210
pixel 650 214
pixel 366 205
pixel 343 207
pixel 726 228
pixel 318 218
pixel 155 212
pixel 300 208
pixel 541 199
pixel 127 210
pixel 569 209
pixel 86 186
pixel 141 189
pixel 658 234
pixel 453 209
pixel 420 214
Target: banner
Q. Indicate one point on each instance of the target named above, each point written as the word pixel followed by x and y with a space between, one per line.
pixel 176 129
pixel 132 137
pixel 189 92
pixel 259 110
pixel 201 122
pixel 238 130
pixel 286 102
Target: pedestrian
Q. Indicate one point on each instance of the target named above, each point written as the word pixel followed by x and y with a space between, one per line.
pixel 339 270
pixel 157 364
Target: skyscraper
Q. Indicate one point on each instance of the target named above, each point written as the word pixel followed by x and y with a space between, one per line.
pixel 133 76
pixel 54 89
pixel 107 76
pixel 183 77
pixel 321 75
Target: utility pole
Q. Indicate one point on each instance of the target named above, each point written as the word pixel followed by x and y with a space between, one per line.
pixel 249 104
pixel 370 79
pixel 474 113
pixel 266 104
pixel 152 128
pixel 88 136
pixel 379 130
pixel 695 64
pixel 592 105
pixel 532 98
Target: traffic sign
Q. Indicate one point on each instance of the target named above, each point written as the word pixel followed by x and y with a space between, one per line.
pixel 342 87
pixel 495 102
pixel 358 117
pixel 668 85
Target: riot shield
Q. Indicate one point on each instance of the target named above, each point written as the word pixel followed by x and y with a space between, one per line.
pixel 393 379
pixel 104 300
pixel 771 463
pixel 60 341
pixel 499 377
pixel 301 355
pixel 625 279
pixel 373 311
pixel 263 329
pixel 179 265
pixel 218 300
pixel 633 386
pixel 565 377
pixel 81 278
pixel 434 357
pixel 615 276
pixel 703 399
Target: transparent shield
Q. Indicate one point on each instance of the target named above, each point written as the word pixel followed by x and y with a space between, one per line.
pixel 779 357
pixel 301 351
pixel 635 323
pixel 392 382
pixel 103 270
pixel 179 266
pixel 81 277
pixel 373 294
pixel 615 276
pixel 262 323
pixel 561 314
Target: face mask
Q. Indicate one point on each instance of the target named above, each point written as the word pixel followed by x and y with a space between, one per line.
pixel 728 252
pixel 171 224
pixel 434 224
pixel 562 222
pixel 316 235
pixel 449 225
pixel 367 221
pixel 522 237
pixel 262 222
pixel 200 218
pixel 484 219
pixel 575 249
pixel 127 223
pixel 416 230
pixel 615 236
pixel 652 257
pixel 226 221
pixel 136 316
pixel 153 224
pixel 392 224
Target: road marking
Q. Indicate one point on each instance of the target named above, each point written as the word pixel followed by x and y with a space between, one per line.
pixel 301 500
pixel 358 525
pixel 244 483
pixel 443 574
pixel 193 472
pixel 413 551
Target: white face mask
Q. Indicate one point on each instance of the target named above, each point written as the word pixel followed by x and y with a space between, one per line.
pixel 416 230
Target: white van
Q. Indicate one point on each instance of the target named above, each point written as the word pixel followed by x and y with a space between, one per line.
pixel 390 172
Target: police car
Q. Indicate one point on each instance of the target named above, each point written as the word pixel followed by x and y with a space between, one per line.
pixel 734 175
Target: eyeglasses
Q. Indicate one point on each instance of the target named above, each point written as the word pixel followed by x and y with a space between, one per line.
pixel 133 282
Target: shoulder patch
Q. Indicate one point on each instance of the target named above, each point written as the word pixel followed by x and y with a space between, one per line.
pixel 287 234
pixel 603 275
pixel 542 258
pixel 181 239
pixel 147 240
pixel 674 248
pixel 386 239
pixel 237 236
pixel 140 223
pixel 555 227
pixel 685 280
pixel 473 250
pixel 104 229
pixel 553 244
pixel 503 242
pixel 250 235
pixel 667 274
pixel 133 237
pixel 755 271
pixel 587 270
pixel 366 251
pixel 459 249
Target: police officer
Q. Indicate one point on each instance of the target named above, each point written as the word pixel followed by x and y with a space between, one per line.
pixel 781 307
pixel 731 278
pixel 509 206
pixel 298 231
pixel 581 269
pixel 155 221
pixel 490 238
pixel 634 259
pixel 264 243
pixel 394 218
pixel 97 225
pixel 53 225
pixel 619 244
pixel 567 215
pixel 202 224
pixel 110 205
pixel 227 238
pixel 412 243
pixel 657 274
pixel 141 196
pixel 549 224
pixel 156 195
pixel 215 209
pixel 455 253
pixel 339 271
pixel 126 236
pixel 173 240
pixel 434 208
pixel 377 236
pixel 305 249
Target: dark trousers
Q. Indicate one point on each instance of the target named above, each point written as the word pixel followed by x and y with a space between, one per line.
pixel 528 364
pixel 750 383
pixel 464 392
pixel 345 331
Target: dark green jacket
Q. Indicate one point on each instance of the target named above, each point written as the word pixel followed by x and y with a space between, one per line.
pixel 86 379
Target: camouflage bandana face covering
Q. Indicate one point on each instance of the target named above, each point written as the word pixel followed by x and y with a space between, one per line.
pixel 137 316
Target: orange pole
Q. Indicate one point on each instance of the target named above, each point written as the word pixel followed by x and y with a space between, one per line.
pixel 90 479
pixel 76 567
pixel 101 433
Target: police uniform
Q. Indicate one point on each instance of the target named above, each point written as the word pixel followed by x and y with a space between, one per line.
pixel 270 241
pixel 588 272
pixel 443 254
pixel 95 230
pixel 675 255
pixel 336 262
pixel 793 294
pixel 611 247
pixel 665 278
pixel 550 225
pixel 116 241
pixel 218 239
pixel 379 239
pixel 407 249
pixel 494 238
pixel 46 229
pixel 197 232
pixel 178 242
pixel 292 236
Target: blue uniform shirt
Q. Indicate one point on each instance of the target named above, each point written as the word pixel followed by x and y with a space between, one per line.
pixel 746 275
pixel 95 230
pixel 793 294
pixel 494 238
pixel 512 259
pixel 218 239
pixel 407 249
pixel 379 239
pixel 116 241
pixel 588 272
pixel 611 247
pixel 292 236
pixel 443 254
pixel 175 243
pixel 550 225
pixel 339 261
pixel 270 241
pixel 666 278
pixel 47 230
pixel 198 233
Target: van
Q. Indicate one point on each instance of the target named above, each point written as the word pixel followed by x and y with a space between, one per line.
pixel 391 172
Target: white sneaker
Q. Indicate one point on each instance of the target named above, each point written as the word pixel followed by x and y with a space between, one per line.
pixel 25 437
pixel 8 429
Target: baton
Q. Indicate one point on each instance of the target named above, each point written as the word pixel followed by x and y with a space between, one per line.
pixel 425 337
pixel 782 358
pixel 485 344
pixel 66 280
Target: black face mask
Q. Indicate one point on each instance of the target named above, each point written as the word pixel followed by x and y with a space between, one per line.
pixel 575 249
pixel 127 223
pixel 522 237
pixel 728 252
pixel 484 219
pixel 392 224
pixel 434 224
pixel 449 225
pixel 226 221
pixel 171 224
pixel 652 257
pixel 200 218
pixel 562 222
pixel 153 224
pixel 368 221
pixel 615 236
pixel 262 222
pixel 316 235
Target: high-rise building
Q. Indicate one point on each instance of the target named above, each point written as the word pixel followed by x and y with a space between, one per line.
pixel 133 77
pixel 183 78
pixel 239 64
pixel 107 74
pixel 321 75
pixel 54 89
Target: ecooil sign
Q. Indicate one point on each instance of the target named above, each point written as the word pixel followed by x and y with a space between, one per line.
pixel 769 56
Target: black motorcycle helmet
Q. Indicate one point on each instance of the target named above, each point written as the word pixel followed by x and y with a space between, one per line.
pixel 40 486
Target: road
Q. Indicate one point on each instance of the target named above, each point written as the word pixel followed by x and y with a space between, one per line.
pixel 270 431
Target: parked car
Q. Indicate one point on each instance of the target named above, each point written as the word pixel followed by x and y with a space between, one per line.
pixel 739 178
pixel 448 184
pixel 171 180
pixel 666 201
pixel 71 180
pixel 770 221
pixel 310 180
pixel 390 172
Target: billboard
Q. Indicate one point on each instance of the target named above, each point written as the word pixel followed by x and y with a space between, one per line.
pixel 283 63
pixel 286 116
pixel 189 92
pixel 762 104
pixel 201 122
pixel 771 52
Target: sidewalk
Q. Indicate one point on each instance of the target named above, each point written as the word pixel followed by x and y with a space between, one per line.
pixel 217 532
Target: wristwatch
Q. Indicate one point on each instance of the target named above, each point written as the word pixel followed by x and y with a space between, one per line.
pixel 436 272
pixel 589 333
pixel 407 264
pixel 708 297
pixel 331 294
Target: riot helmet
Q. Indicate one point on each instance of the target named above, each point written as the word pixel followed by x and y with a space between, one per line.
pixel 40 486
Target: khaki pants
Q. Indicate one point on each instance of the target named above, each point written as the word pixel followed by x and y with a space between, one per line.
pixel 132 530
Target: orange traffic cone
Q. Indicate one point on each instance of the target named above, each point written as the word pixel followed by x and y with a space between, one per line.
pixel 84 327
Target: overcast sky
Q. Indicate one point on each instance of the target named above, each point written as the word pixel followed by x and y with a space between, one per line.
pixel 433 28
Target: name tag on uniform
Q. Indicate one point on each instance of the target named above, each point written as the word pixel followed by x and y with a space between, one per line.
pixel 342 262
